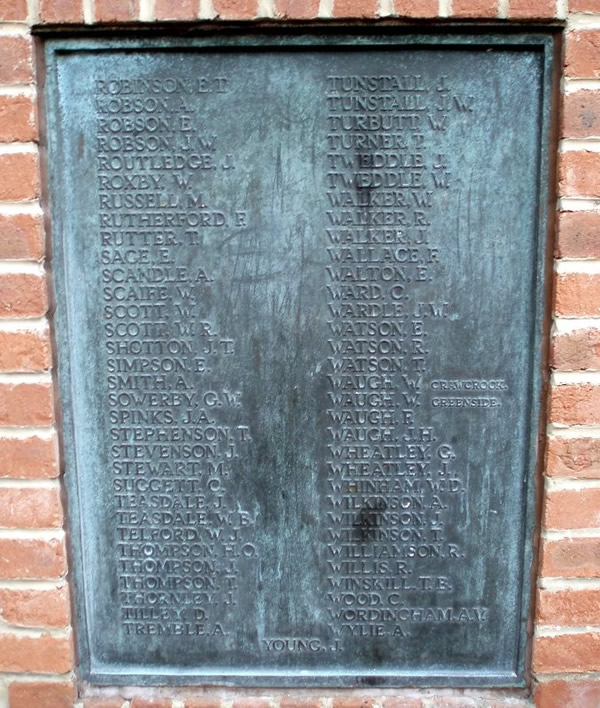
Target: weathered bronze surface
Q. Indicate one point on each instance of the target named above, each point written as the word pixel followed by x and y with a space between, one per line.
pixel 300 296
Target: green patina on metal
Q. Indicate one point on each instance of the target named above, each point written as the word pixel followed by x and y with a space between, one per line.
pixel 300 301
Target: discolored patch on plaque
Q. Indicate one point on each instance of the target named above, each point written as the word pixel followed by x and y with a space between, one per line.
pixel 300 299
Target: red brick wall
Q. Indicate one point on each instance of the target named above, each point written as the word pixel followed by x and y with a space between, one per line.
pixel 36 646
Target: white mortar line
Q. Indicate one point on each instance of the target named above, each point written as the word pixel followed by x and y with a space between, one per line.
pixel 39 325
pixel 31 207
pixel 14 29
pixel 24 260
pixel 579 144
pixel 577 265
pixel 566 534
pixel 560 630
pixel 27 431
pixel 445 8
pixel 570 85
pixel 32 11
pixel 562 9
pixel 38 377
pixel 18 148
pixel 25 484
pixel 88 11
pixel 583 20
pixel 558 430
pixel 28 530
pixel 206 10
pixel 325 8
pixel 265 8
pixel 39 585
pixel 25 267
pixel 562 87
pixel 146 10
pixel 502 9
pixel 563 325
pixel 570 484
pixel 568 677
pixel 578 204
pixel 60 632
pixel 386 8
pixel 34 678
pixel 565 378
pixel 18 90
pixel 559 584
pixel 32 534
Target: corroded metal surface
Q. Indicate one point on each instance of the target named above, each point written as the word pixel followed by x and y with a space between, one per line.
pixel 299 310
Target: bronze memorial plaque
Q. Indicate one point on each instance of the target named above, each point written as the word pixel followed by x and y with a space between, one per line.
pixel 300 298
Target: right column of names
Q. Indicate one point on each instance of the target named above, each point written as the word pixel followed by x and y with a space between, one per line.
pixel 392 479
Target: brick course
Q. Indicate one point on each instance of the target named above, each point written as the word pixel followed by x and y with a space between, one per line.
pixel 578 174
pixel 297 9
pixel 17 119
pixel 41 695
pixel 35 608
pixel 21 237
pixel 28 458
pixel 582 59
pixel 355 8
pixel 236 9
pixel 572 509
pixel 61 11
pixel 571 558
pixel 576 653
pixel 543 9
pixel 117 10
pixel 16 61
pixel 573 457
pixel 19 176
pixel 13 10
pixel 151 703
pixel 205 702
pixel 103 703
pixel 41 655
pixel 568 694
pixel 578 350
pixel 578 235
pixel 33 559
pixel 568 608
pixel 416 8
pixel 28 507
pixel 25 351
pixel 22 295
pixel 575 404
pixel 474 8
pixel 182 10
pixel 581 117
pixel 26 404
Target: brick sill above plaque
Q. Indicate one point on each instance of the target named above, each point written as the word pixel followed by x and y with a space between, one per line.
pixel 300 310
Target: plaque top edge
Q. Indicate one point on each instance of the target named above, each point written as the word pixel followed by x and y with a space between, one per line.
pixel 317 37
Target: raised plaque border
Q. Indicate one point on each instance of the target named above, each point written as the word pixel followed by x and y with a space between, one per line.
pixel 545 41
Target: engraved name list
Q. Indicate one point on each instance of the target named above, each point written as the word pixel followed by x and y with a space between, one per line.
pixel 302 360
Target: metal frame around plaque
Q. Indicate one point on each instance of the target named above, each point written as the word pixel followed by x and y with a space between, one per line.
pixel 273 110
